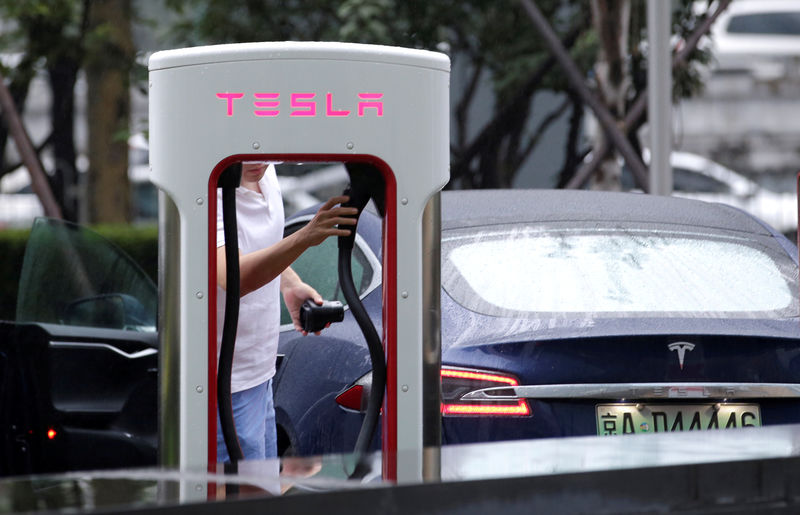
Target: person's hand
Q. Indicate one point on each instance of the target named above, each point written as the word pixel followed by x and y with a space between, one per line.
pixel 294 295
pixel 324 223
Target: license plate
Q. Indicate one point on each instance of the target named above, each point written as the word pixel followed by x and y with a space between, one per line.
pixel 631 418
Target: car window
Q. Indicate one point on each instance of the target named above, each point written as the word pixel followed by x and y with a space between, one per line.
pixel 691 181
pixel 771 23
pixel 522 270
pixel 318 266
pixel 73 276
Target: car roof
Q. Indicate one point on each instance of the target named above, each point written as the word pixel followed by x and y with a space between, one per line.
pixel 471 208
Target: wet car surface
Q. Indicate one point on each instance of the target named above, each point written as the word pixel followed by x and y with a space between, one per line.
pixel 564 313
pixel 569 313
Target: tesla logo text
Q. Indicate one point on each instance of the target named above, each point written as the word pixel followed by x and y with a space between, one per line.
pixel 681 348
pixel 302 105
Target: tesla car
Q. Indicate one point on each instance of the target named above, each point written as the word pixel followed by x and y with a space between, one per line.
pixel 79 364
pixel 569 313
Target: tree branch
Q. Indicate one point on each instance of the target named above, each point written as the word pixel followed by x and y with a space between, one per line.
pixel 639 106
pixel 462 108
pixel 460 166
pixel 38 148
pixel 578 83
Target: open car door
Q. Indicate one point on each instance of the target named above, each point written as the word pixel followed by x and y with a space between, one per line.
pixel 79 365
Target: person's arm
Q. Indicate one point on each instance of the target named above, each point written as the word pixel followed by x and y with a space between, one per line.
pixel 262 266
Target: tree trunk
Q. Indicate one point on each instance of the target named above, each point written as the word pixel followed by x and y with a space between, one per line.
pixel 611 20
pixel 63 74
pixel 109 113
pixel 572 155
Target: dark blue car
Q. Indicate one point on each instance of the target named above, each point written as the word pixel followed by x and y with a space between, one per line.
pixel 570 313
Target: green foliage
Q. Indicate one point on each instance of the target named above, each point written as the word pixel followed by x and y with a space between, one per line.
pixel 45 29
pixel 486 39
pixel 139 242
pixel 688 80
pixel 479 35
pixel 220 21
pixel 60 39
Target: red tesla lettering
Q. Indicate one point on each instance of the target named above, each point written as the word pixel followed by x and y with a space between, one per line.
pixel 330 111
pixel 230 97
pixel 303 104
pixel 371 103
pixel 267 104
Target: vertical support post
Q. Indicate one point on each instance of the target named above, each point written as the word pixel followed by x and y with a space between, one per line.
pixel 659 95
pixel 431 340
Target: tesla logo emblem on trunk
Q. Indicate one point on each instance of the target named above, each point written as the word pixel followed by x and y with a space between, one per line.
pixel 681 348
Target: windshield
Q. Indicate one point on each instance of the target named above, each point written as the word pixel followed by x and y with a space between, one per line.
pixel 73 276
pixel 524 270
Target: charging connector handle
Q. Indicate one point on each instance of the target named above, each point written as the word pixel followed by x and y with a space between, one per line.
pixel 359 197
pixel 314 318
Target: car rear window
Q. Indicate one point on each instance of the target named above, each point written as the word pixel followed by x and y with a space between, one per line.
pixel 525 270
pixel 770 23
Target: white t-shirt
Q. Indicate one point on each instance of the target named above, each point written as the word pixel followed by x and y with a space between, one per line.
pixel 259 222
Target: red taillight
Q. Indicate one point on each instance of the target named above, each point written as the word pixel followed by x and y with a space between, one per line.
pixel 478 376
pixel 356 397
pixel 520 409
pixel 458 383
pixel 51 434
pixel 351 398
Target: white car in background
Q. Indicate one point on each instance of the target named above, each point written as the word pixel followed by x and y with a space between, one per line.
pixel 760 37
pixel 701 178
pixel 697 177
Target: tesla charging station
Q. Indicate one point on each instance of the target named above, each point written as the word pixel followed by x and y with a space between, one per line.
pixel 211 107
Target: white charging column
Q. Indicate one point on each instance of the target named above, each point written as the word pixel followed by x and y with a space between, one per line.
pixel 211 106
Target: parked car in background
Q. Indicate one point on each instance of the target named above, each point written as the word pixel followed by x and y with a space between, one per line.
pixel 700 178
pixel 569 313
pixel 79 363
pixel 760 37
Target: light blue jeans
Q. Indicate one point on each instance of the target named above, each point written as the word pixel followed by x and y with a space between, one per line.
pixel 254 415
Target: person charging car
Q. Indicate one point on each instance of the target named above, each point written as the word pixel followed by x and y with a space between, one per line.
pixel 265 259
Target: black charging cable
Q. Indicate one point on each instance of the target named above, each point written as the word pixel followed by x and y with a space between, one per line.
pixel 229 180
pixel 359 197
